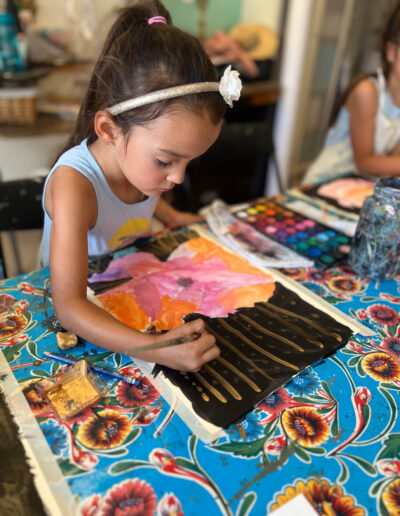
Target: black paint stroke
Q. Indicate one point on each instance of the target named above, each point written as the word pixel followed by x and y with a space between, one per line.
pixel 332 335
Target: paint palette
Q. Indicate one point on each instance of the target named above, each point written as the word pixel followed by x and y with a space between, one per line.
pixel 323 245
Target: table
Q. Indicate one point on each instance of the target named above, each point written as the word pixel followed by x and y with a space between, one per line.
pixel 332 432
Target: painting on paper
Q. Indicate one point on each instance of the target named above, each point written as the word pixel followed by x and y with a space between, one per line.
pixel 199 276
pixel 347 193
pixel 266 332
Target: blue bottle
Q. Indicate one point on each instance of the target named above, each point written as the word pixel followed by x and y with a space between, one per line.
pixel 12 58
pixel 375 250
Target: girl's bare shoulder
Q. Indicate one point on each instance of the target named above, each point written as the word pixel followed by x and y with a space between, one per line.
pixel 363 96
pixel 69 190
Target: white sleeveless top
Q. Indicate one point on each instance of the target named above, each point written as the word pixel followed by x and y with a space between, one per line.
pixel 118 223
pixel 337 158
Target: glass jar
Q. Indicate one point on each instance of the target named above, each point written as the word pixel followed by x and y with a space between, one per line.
pixel 375 249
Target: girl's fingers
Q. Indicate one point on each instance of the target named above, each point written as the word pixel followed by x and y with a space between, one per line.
pixel 196 326
pixel 211 353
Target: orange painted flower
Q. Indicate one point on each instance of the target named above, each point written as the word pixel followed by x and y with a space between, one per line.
pixel 172 313
pixel 204 250
pixel 245 296
pixel 327 499
pixel 381 367
pixel 125 308
pixel 391 497
pixel 305 425
pixel 106 429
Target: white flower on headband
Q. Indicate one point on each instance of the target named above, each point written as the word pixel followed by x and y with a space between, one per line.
pixel 230 85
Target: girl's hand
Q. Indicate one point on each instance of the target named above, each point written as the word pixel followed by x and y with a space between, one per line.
pixel 183 218
pixel 189 356
pixel 172 218
pixel 396 150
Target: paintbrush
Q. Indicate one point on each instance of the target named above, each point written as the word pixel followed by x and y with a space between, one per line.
pixel 97 369
pixel 167 343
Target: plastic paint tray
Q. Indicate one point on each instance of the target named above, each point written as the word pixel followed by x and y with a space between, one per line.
pixel 75 391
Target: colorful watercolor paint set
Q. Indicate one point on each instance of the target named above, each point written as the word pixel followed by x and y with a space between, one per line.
pixel 323 245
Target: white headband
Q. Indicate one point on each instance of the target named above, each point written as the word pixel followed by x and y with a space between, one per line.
pixel 229 87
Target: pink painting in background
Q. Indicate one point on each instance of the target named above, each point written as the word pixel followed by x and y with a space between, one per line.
pixel 199 276
pixel 349 192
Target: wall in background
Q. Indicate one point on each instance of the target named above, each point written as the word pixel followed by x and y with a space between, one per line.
pixel 221 15
pixel 260 11
pixel 89 21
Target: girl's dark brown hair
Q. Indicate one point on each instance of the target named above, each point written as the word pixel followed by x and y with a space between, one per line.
pixel 389 34
pixel 138 58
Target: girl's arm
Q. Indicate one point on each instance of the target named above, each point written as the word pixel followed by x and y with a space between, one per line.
pixel 362 105
pixel 71 203
pixel 172 218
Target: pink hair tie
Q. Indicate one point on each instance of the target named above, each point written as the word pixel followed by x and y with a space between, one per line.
pixel 156 19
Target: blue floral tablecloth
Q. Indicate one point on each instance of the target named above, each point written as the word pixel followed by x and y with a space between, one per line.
pixel 332 432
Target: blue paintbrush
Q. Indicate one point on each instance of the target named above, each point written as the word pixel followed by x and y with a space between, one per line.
pixel 97 369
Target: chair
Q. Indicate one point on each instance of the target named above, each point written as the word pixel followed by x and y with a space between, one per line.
pixel 20 208
pixel 233 169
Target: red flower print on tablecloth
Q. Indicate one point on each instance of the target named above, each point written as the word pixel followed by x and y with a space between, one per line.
pixel 84 459
pixel 345 268
pixel 274 404
pixel 165 461
pixel 392 346
pixel 305 425
pixel 106 429
pixel 130 396
pixel 21 306
pixel 146 415
pixel 384 315
pixel 389 467
pixel 92 506
pixel 28 288
pixel 169 505
pixel 14 341
pixel 6 302
pixel 389 297
pixel 362 314
pixel 361 397
pixel 275 445
pixel 319 276
pixel 130 498
pixel 356 347
pixel 326 498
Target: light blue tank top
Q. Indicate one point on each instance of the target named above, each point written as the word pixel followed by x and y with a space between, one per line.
pixel 341 129
pixel 118 223
pixel 336 157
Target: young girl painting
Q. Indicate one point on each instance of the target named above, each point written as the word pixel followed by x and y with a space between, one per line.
pixel 152 105
pixel 365 136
